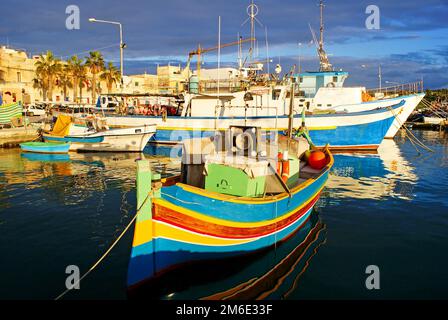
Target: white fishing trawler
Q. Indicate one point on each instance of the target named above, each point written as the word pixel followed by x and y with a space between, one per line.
pixel 350 117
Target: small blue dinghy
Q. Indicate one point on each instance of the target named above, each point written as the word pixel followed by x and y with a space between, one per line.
pixel 45 147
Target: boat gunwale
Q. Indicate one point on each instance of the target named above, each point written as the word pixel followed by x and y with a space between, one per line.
pixel 264 200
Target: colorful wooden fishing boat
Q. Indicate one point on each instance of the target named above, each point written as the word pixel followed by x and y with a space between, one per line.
pixel 91 134
pixel 45 147
pixel 223 204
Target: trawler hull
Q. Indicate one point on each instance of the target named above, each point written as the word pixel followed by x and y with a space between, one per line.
pixel 345 131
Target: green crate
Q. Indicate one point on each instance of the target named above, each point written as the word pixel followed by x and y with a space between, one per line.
pixel 233 181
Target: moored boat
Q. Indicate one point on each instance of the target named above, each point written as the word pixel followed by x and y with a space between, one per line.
pixel 433 120
pixel 355 130
pixel 91 134
pixel 45 147
pixel 223 204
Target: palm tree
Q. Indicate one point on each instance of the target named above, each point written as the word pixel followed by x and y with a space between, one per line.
pixel 38 84
pixel 75 66
pixel 47 68
pixel 95 63
pixel 64 79
pixel 82 77
pixel 111 75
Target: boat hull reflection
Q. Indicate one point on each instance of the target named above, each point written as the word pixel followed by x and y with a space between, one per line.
pixel 377 175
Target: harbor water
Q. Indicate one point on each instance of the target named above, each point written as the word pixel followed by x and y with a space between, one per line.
pixel 388 209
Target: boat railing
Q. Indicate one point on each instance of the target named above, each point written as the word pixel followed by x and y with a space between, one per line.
pixel 211 86
pixel 246 108
pixel 398 89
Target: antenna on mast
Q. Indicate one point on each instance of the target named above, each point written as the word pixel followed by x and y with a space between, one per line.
pixel 252 12
pixel 325 64
pixel 321 40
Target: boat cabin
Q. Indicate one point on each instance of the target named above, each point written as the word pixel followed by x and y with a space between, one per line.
pixel 244 163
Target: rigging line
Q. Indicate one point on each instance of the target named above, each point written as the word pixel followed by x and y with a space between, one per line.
pixel 108 250
pixel 400 123
pixel 418 141
pixel 434 108
pixel 82 52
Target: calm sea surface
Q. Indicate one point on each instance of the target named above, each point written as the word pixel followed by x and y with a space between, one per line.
pixel 388 209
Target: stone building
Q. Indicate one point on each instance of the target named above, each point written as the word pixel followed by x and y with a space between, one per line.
pixel 17 72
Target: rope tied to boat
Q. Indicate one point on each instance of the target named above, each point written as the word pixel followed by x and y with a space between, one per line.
pixel 412 138
pixel 96 264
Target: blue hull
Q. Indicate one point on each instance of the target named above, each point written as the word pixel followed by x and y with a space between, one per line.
pixel 46 148
pixel 355 136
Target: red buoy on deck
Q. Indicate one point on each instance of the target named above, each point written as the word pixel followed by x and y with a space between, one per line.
pixel 317 160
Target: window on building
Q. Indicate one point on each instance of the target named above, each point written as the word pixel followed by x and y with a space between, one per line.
pixel 300 79
pixel 335 79
pixel 136 84
pixel 19 77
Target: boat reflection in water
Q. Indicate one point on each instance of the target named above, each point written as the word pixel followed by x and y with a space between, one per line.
pixel 372 176
pixel 75 177
pixel 270 274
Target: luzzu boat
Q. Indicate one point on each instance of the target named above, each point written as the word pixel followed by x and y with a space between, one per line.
pixel 91 134
pixel 223 205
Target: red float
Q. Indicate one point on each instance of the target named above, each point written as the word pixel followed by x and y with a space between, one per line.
pixel 317 160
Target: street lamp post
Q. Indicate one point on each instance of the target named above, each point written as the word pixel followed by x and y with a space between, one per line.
pixel 380 76
pixel 122 45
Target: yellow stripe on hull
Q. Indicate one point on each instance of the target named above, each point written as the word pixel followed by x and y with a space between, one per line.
pixel 167 231
pixel 227 223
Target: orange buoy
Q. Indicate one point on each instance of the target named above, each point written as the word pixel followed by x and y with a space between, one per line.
pixel 279 163
pixel 285 171
pixel 317 160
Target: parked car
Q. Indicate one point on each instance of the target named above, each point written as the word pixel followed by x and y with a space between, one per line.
pixel 34 110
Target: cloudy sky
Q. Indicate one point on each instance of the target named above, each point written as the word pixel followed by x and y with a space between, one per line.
pixel 412 42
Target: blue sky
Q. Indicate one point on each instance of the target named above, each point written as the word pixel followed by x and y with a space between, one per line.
pixel 412 41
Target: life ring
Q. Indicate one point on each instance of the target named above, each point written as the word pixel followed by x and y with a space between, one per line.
pixel 331 85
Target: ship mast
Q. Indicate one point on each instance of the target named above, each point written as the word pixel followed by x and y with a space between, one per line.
pixel 325 64
pixel 252 12
pixel 321 41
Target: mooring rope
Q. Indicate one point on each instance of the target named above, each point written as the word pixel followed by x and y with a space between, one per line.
pixel 108 250
pixel 409 134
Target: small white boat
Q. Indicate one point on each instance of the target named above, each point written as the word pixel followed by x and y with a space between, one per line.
pixel 433 120
pixel 91 134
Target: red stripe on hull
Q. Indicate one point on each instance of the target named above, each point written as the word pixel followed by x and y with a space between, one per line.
pixel 163 214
